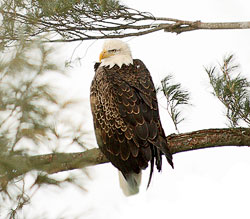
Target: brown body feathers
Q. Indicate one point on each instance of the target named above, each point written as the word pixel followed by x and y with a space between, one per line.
pixel 126 118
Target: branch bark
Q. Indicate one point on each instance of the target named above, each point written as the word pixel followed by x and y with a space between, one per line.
pixel 178 27
pixel 58 162
pixel 184 26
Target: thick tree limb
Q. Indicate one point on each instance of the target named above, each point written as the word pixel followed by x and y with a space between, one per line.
pixel 208 138
pixel 58 162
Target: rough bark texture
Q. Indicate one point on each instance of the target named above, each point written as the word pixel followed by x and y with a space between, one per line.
pixel 209 138
pixel 58 162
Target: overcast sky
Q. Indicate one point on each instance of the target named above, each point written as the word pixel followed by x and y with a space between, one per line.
pixel 210 183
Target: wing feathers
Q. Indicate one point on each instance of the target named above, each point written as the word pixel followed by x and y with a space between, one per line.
pixel 133 148
pixel 126 118
pixel 142 131
pixel 125 151
pixel 152 127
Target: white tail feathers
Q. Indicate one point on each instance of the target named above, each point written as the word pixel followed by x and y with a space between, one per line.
pixel 130 183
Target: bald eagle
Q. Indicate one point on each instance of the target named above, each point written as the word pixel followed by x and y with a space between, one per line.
pixel 125 113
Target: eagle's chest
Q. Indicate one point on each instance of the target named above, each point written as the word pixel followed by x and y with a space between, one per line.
pixel 104 97
pixel 107 92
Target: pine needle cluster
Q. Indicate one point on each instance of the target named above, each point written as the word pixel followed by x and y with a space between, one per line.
pixel 36 17
pixel 232 89
pixel 176 97
pixel 71 20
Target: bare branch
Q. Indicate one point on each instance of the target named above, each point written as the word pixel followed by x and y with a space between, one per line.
pixel 184 26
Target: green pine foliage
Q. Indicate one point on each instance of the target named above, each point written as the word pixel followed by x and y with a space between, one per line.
pixel 176 98
pixel 23 97
pixel 24 117
pixel 68 20
pixel 232 89
pixel 31 119
pixel 36 17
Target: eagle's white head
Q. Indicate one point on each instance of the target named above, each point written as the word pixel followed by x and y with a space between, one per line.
pixel 115 52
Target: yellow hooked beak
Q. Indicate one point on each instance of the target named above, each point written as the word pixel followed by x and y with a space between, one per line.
pixel 105 54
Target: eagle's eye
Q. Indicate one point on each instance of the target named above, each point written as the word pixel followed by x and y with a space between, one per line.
pixel 113 50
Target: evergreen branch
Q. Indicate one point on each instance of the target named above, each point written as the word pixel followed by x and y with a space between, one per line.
pixel 57 162
pixel 231 90
pixel 86 20
pixel 176 97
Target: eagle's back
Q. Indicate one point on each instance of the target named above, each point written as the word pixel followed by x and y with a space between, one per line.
pixel 126 118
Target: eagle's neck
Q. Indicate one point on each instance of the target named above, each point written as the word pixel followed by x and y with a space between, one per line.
pixel 117 60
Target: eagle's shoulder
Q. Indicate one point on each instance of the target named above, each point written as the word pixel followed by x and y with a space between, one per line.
pixel 96 65
pixel 139 64
pixel 138 61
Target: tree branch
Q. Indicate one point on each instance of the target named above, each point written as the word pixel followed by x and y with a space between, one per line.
pixel 179 26
pixel 81 22
pixel 184 26
pixel 208 138
pixel 58 162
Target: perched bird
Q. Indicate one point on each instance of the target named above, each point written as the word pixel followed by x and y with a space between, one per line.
pixel 126 117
